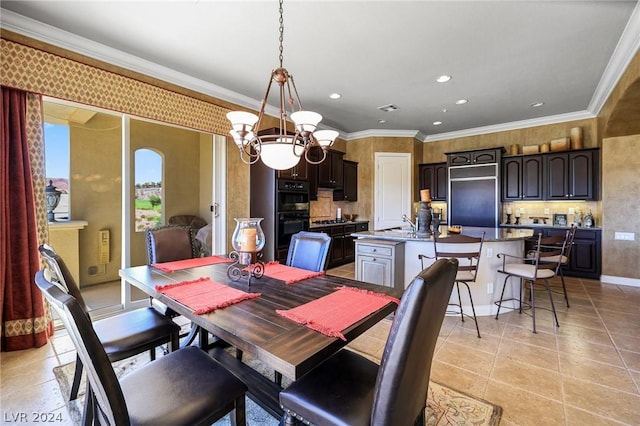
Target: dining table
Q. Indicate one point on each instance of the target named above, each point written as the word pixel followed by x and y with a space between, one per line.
pixel 258 325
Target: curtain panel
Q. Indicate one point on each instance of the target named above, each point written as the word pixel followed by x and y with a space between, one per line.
pixel 25 323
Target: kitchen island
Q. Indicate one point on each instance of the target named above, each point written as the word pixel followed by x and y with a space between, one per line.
pixel 488 285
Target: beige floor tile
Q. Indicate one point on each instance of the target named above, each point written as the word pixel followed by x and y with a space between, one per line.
pixel 631 360
pixel 597 372
pixel 602 400
pixel 462 357
pixel 577 347
pixel 600 337
pixel 524 408
pixel 524 335
pixel 577 417
pixel 41 398
pixel 587 321
pixel 532 355
pixel 528 378
pixel 465 337
pixel 459 379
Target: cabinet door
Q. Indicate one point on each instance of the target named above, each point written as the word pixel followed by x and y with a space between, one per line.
pixel 557 174
pixel 350 190
pixel 426 178
pixel 581 175
pixel 511 178
pixel 532 187
pixel 337 170
pixel 440 184
pixel 374 270
pixel 312 174
pixel 337 251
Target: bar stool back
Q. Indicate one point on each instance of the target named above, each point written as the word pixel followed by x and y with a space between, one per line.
pixel 467 251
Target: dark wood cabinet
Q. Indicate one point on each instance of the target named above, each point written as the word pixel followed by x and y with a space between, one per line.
pixel 572 175
pixel 330 173
pixel 298 172
pixel 522 178
pixel 342 243
pixel 478 156
pixel 585 258
pixel 349 191
pixel 434 177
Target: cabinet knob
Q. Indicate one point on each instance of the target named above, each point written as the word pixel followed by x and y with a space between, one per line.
pixel 373 250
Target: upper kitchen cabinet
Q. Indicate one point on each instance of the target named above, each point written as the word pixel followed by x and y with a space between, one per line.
pixel 572 175
pixel 298 172
pixel 350 190
pixel 330 172
pixel 434 177
pixel 477 156
pixel 522 178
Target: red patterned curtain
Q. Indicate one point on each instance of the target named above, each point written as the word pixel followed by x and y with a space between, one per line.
pixel 24 320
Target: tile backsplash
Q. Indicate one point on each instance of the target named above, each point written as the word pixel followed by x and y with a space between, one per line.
pixel 539 209
pixel 325 208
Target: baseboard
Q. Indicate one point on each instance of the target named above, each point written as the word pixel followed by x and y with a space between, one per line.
pixel 609 279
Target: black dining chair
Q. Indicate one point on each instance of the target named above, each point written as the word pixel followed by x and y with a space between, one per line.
pixel 186 387
pixel 349 389
pixel 467 250
pixel 122 336
pixel 309 250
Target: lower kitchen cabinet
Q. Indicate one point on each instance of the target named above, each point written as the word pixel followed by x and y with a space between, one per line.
pixel 342 243
pixel 380 262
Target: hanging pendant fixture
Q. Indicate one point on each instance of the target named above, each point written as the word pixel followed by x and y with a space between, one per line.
pixel 278 148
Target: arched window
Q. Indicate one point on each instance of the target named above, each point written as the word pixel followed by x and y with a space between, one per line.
pixel 149 209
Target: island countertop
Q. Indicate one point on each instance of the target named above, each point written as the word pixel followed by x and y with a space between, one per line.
pixel 491 234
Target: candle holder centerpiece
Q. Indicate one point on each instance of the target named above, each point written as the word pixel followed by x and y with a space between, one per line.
pixel 424 214
pixel 248 240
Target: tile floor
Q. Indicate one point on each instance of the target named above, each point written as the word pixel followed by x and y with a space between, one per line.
pixel 587 372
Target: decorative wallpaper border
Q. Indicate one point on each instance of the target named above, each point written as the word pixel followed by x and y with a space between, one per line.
pixel 37 71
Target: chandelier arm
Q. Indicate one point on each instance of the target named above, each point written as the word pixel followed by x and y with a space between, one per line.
pixel 252 158
pixel 306 155
pixel 283 112
pixel 295 90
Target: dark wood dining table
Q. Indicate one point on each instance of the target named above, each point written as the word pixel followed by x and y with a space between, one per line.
pixel 254 327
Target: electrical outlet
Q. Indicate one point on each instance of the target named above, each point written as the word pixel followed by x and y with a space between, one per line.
pixel 627 236
pixel 546 211
pixel 490 252
pixel 572 210
pixel 489 288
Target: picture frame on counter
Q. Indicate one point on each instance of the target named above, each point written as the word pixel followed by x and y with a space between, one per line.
pixel 560 219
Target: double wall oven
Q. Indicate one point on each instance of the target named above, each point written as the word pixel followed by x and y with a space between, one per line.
pixel 292 212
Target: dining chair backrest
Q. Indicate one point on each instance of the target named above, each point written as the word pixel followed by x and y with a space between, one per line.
pixel 171 242
pixel 61 274
pixel 465 248
pixel 309 250
pixel 102 378
pixel 403 377
pixel 552 252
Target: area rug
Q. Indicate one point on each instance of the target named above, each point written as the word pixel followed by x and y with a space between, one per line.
pixel 445 406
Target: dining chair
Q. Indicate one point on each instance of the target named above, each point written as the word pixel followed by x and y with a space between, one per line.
pixel 169 243
pixel 122 336
pixel 530 269
pixel 553 255
pixel 468 251
pixel 186 387
pixel 309 250
pixel 349 389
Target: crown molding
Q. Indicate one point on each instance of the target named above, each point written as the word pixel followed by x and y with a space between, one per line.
pixel 623 54
pixel 373 133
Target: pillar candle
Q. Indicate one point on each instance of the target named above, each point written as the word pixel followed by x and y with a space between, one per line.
pixel 425 195
pixel 508 210
pixel 248 240
pixel 517 213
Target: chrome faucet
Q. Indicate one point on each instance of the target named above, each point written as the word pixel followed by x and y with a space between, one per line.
pixel 405 218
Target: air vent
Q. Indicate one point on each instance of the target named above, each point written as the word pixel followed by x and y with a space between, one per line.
pixel 388 108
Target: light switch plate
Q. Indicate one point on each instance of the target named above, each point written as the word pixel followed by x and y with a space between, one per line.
pixel 627 236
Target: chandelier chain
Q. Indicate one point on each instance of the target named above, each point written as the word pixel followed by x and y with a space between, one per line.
pixel 281 33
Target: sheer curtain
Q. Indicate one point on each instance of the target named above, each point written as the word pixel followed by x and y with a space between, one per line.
pixel 25 323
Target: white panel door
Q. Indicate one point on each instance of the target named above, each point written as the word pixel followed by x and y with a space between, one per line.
pixel 392 189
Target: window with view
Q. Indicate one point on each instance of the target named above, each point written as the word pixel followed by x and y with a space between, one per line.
pixel 148 191
pixel 56 156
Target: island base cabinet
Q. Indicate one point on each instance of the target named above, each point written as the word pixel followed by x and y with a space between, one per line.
pixel 380 262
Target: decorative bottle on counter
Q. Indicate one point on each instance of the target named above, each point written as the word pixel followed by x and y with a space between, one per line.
pixel 424 219
pixel 588 220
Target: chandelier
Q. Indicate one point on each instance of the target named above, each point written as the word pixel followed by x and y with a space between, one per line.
pixel 278 148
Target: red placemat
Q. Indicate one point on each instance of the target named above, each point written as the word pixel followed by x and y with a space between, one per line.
pixel 177 265
pixel 337 311
pixel 203 295
pixel 288 274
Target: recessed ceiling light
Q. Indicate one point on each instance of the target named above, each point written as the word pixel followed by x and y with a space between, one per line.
pixel 536 104
pixel 444 110
pixel 335 96
pixel 461 101
pixel 388 108
pixel 437 123
pixel 382 121
pixel 443 78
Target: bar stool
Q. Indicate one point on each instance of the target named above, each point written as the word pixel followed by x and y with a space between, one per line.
pixel 466 250
pixel 555 256
pixel 531 268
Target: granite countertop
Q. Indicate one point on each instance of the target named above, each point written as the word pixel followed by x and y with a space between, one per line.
pixel 547 226
pixel 491 234
pixel 324 225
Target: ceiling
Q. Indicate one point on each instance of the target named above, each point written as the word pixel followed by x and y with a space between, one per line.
pixel 502 56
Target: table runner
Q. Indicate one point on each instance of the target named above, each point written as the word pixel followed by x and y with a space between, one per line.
pixel 203 295
pixel 177 265
pixel 332 314
pixel 288 274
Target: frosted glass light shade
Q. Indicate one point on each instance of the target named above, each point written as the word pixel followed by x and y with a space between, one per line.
pixel 238 140
pixel 280 155
pixel 242 120
pixel 306 121
pixel 325 137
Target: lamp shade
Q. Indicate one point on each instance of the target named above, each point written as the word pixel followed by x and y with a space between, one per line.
pixel 242 120
pixel 281 155
pixel 325 137
pixel 306 121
